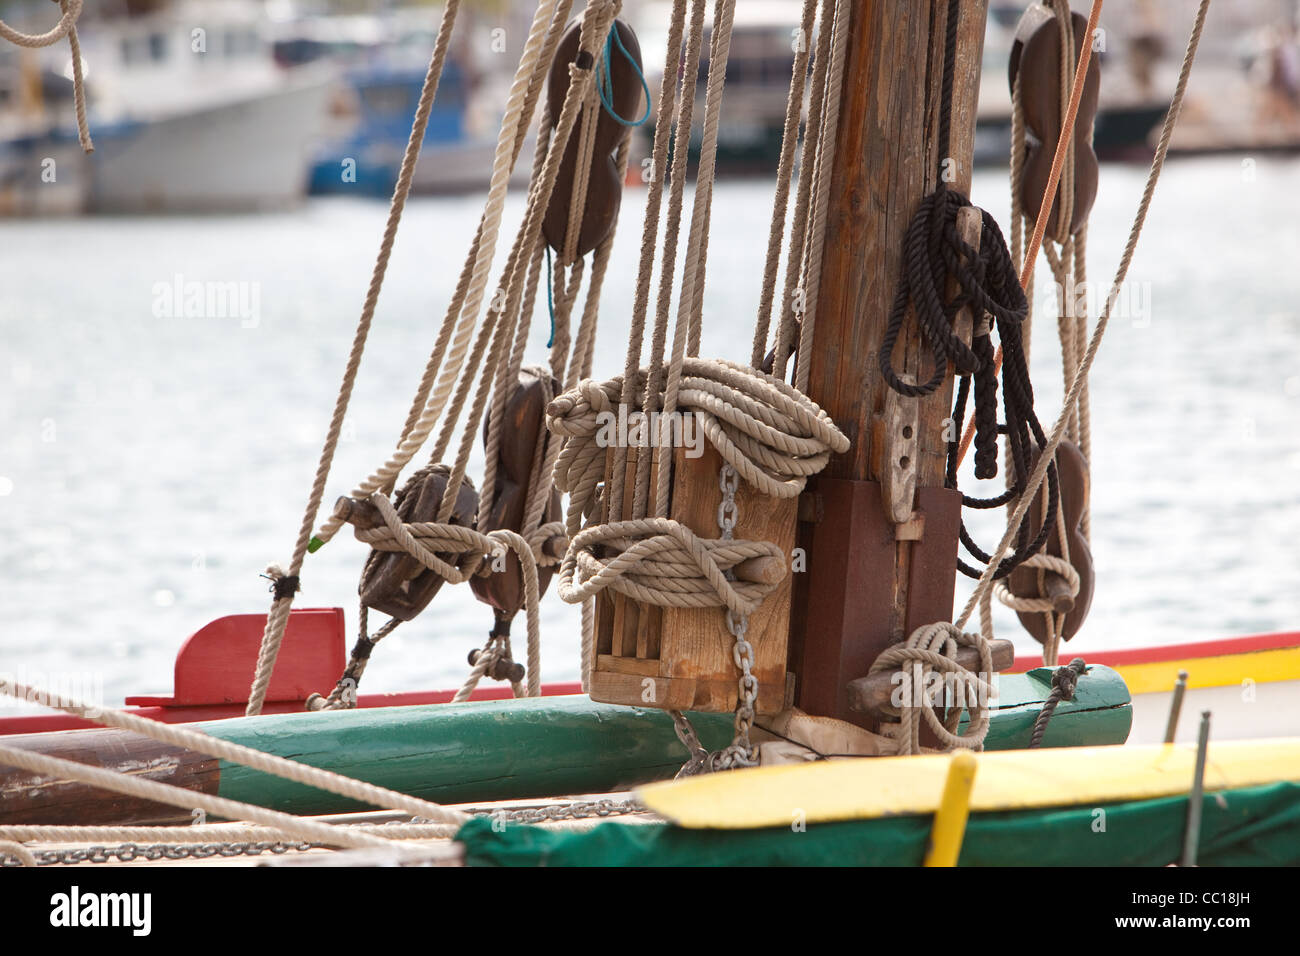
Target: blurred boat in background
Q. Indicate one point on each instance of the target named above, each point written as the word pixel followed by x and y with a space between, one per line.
pixel 1131 103
pixel 188 110
pixel 383 59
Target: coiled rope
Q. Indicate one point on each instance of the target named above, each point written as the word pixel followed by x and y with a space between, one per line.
pixel 934 254
pixel 924 638
pixel 1080 375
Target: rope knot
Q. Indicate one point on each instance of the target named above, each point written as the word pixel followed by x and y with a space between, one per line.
pixel 1066 679
pixel 282 585
pixel 929 649
pixel 662 562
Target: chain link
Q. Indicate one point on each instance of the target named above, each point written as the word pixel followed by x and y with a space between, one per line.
pixel 741 752
pixel 580 810
pixel 153 852
pixel 686 734
pixel 129 852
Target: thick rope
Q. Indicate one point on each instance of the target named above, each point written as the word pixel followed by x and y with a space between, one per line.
pixel 1094 344
pixel 773 435
pixel 145 789
pixel 286 584
pixel 931 649
pixel 180 736
pixel 66 27
pixel 662 562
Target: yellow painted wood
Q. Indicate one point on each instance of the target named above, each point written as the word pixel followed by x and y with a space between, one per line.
pixel 1260 666
pixel 954 808
pixel 859 789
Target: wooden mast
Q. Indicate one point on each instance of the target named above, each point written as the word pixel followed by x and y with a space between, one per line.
pixel 871 578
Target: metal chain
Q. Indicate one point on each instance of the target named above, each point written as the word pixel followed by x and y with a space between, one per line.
pixel 686 734
pixel 580 810
pixel 129 852
pixel 153 852
pixel 741 752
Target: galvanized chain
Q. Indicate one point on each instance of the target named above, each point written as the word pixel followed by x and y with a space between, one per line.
pixel 740 753
pixel 153 852
pixel 686 734
pixel 579 810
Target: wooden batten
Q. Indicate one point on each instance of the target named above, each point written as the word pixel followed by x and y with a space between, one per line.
pixel 681 658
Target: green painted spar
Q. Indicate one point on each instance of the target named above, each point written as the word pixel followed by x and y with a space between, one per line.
pixel 503 750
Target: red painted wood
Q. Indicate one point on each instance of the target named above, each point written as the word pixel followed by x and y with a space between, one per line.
pixel 214 669
pixel 40 723
pixel 1172 652
pixel 215 665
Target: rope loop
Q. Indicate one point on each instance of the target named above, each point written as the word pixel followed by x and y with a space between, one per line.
pixel 662 562
pixel 66 27
pixel 933 649
pixel 1039 562
pixel 770 432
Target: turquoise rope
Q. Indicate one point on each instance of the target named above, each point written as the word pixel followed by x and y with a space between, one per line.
pixel 605 86
pixel 550 299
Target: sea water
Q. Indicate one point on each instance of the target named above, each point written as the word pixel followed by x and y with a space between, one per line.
pixel 165 384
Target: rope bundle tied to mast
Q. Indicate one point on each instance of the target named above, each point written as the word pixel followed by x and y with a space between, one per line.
pixel 769 432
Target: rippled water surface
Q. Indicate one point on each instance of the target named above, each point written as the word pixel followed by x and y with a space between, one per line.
pixel 150 467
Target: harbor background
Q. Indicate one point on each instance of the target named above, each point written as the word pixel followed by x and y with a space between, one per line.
pixel 152 463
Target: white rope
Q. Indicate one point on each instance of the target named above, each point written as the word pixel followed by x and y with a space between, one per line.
pixel 501 170
pixel 145 789
pixel 1080 376
pixel 66 27
pixel 246 756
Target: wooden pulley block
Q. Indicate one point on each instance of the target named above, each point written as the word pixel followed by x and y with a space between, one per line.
pixel 521 429
pixel 1036 60
pixel 1072 470
pixel 393 582
pixel 626 96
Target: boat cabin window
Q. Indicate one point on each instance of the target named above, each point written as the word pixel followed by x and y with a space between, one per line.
pixel 240 42
pixel 144 48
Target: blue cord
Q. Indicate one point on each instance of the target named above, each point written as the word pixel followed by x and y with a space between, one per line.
pixel 550 301
pixel 605 85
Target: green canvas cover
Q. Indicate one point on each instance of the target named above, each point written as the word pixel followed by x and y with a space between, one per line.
pixel 1254 826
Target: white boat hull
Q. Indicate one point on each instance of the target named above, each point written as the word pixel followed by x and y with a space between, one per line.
pixel 1237 712
pixel 246 155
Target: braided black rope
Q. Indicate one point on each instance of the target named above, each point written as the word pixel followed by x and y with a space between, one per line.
pixel 934 256
pixel 1064 681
